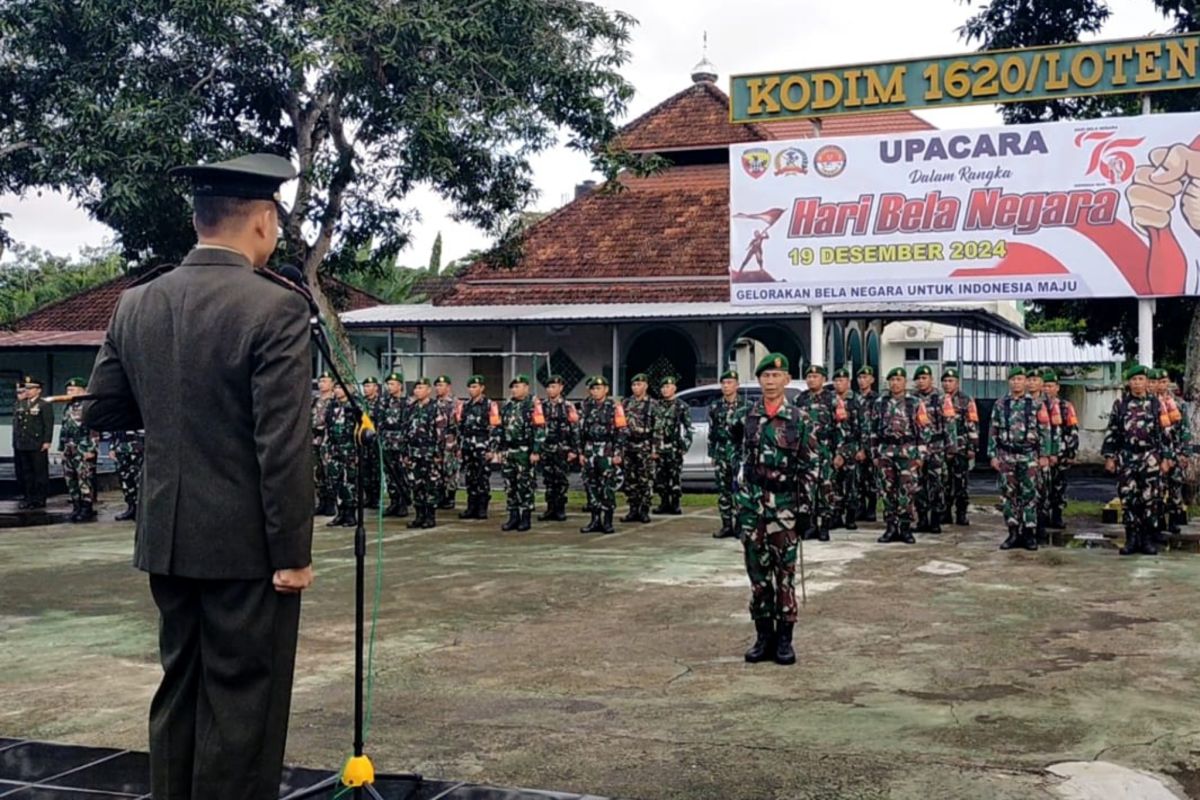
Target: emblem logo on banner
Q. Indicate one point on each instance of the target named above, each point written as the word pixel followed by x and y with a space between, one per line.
pixel 792 161
pixel 1109 158
pixel 830 161
pixel 756 161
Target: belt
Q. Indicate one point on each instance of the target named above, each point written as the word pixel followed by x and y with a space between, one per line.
pixel 1012 448
pixel 1145 449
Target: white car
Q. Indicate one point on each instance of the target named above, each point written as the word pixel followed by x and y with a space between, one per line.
pixel 697 466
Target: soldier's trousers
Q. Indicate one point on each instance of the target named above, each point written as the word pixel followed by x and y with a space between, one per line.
pixel 341 467
pixel 325 490
pixel 423 467
pixel 218 722
pixel 1058 485
pixel 450 466
pixel 867 480
pixel 518 481
pixel 898 478
pixel 1140 488
pixel 668 475
pixel 770 541
pixel 638 474
pixel 958 474
pixel 726 473
pixel 397 478
pixel 1018 483
pixel 34 468
pixel 79 474
pixel 845 484
pixel 554 467
pixel 822 493
pixel 931 496
pixel 1045 484
pixel 476 471
pixel 129 472
pixel 601 477
pixel 1173 491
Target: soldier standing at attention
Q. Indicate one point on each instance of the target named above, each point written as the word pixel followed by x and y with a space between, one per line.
pixel 780 441
pixel 961 445
pixel 726 420
pixel 520 435
pixel 868 479
pixel 451 410
pixel 1138 448
pixel 931 495
pixel 341 457
pixel 639 467
pixel 33 432
pixel 672 421
pixel 326 498
pixel 1175 508
pixel 822 410
pixel 853 451
pixel 128 449
pixel 17 403
pixel 78 446
pixel 1067 438
pixel 425 436
pixel 1035 388
pixel 900 438
pixel 559 449
pixel 602 430
pixel 372 403
pixel 480 417
pixel 1018 444
pixel 393 413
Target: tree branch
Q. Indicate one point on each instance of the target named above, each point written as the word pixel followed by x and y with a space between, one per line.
pixel 342 177
pixel 15 147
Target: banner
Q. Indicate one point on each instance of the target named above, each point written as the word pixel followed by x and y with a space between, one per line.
pixel 1098 208
pixel 995 76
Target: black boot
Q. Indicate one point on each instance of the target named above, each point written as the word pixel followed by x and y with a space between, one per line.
pixel 1013 538
pixel 607 526
pixel 906 532
pixel 763 648
pixel 836 520
pixel 784 653
pixel 560 511
pixel 1147 543
pixel 514 519
pixel 960 513
pixel 129 513
pixel 872 501
pixel 822 531
pixel 1030 540
pixel 551 512
pixel 351 519
pixel 418 520
pixel 1056 520
pixel 74 512
pixel 593 526
pixel 431 517
pixel 935 522
pixel 634 515
pixel 86 512
pixel 946 518
pixel 644 514
pixel 402 509
pixel 391 510
pixel 675 508
pixel 1133 543
pixel 472 509
pixel 329 508
pixel 447 503
pixel 922 521
pixel 523 523
pixel 1173 523
pixel 336 522
pixel 851 523
pixel 1040 535
pixel 481 512
pixel 890 534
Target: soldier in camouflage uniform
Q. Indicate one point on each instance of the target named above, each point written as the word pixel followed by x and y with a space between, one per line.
pixel 326 497
pixel 853 451
pixel 1181 436
pixel 827 417
pixel 931 495
pixel 672 420
pixel 560 448
pixel 519 448
pixel 480 418
pixel 393 414
pixel 900 435
pixel 638 468
pixel 1018 443
pixel 961 445
pixel 78 446
pixel 726 421
pixel 451 409
pixel 1067 439
pixel 341 461
pixel 425 434
pixel 372 403
pixel 602 430
pixel 868 478
pixel 1036 389
pixel 129 448
pixel 780 442
pixel 1139 449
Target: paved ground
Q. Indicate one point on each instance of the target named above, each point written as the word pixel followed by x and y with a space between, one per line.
pixel 613 664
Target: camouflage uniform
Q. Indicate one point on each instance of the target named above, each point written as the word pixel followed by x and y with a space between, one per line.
pixel 820 408
pixel 562 437
pixel 1181 437
pixel 520 435
pixel 638 468
pixel 1045 475
pixel 602 431
pixel 426 430
pixel 868 477
pixel 931 489
pixel 962 444
pixel 1019 435
pixel 78 446
pixel 1139 439
pixel 1066 437
pixel 391 423
pixel 341 462
pixel 480 416
pixel 672 421
pixel 853 441
pixel 129 448
pixel 900 437
pixel 726 422
pixel 372 461
pixel 450 408
pixel 325 493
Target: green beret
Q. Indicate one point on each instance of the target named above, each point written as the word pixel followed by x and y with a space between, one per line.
pixel 897 372
pixel 1016 372
pixel 80 382
pixel 841 373
pixel 1135 370
pixel 816 369
pixel 443 379
pixel 476 380
pixel 370 381
pixel 522 378
pixel 949 372
pixel 729 375
pixel 922 370
pixel 395 376
pixel 1049 376
pixel 772 361
pixel 866 370
pixel 667 379
pixel 326 375
pixel 1156 374
pixel 641 376
pixel 597 380
pixel 423 381
pixel 556 379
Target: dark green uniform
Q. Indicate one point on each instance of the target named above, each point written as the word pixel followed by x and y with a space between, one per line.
pixel 638 469
pixel 341 461
pixel 33 431
pixel 520 435
pixel 1019 435
pixel 601 440
pixel 899 443
pixel 78 446
pixel 726 422
pixel 562 439
pixel 128 450
pixel 476 442
pixel 1139 440
pixel 672 426
pixel 391 423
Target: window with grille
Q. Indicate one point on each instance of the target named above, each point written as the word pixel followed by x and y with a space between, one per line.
pixel 563 365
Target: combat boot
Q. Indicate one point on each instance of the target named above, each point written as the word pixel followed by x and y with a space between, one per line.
pixel 851 523
pixel 1013 538
pixel 447 503
pixel 129 513
pixel 551 512
pixel 906 532
pixel 784 653
pixel 1040 531
pixel 922 521
pixel 391 510
pixel 336 522
pixel 560 510
pixel 430 517
pixel 763 648
pixel 1133 544
pixel 935 523
pixel 1147 544
pixel 86 512
pixel 594 525
pixel 662 508
pixel 946 517
pixel 472 509
pixel 402 509
pixel 350 519
pixel 1056 520
pixel 960 513
pixel 836 520
pixel 634 515
pixel 822 531
pixel 74 512
pixel 890 534
pixel 644 516
pixel 607 526
pixel 1173 523
pixel 418 520
pixel 523 523
pixel 329 507
pixel 1030 540
pixel 872 502
pixel 514 519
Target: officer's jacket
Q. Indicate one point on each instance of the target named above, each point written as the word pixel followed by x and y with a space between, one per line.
pixel 1138 425
pixel 853 428
pixel 33 424
pixel 74 433
pixel 1020 427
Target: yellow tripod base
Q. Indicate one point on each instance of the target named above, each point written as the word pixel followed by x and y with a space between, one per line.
pixel 359 771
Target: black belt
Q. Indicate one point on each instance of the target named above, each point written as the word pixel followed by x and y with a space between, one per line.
pixel 1009 448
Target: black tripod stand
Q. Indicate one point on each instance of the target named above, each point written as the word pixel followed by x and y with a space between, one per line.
pixel 359 772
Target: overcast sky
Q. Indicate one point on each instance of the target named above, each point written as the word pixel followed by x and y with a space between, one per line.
pixel 753 36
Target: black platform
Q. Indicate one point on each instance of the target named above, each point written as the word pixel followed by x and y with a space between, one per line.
pixel 43 771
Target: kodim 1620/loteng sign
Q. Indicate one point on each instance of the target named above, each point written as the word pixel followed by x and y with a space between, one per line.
pixel 1101 208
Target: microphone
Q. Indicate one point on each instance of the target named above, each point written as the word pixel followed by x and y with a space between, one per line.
pixel 292 274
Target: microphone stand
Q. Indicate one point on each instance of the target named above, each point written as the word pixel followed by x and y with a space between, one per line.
pixel 359 772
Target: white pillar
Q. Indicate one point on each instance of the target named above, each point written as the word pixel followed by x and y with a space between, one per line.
pixel 721 359
pixel 1146 332
pixel 512 348
pixel 616 361
pixel 816 332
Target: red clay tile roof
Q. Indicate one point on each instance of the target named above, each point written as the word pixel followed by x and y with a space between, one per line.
pixel 50 339
pixel 696 117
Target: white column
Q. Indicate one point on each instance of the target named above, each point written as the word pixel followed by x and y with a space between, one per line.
pixel 721 359
pixel 1146 331
pixel 616 361
pixel 816 332
pixel 512 348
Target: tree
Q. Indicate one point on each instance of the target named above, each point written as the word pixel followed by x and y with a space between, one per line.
pixel 34 278
pixel 1001 24
pixel 367 97
pixel 435 256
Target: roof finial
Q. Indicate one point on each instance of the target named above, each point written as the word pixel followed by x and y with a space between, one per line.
pixel 704 72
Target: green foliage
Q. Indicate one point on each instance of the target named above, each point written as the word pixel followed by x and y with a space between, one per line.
pixel 1037 322
pixel 435 255
pixel 34 278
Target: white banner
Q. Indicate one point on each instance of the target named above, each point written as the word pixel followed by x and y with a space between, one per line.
pixel 1100 208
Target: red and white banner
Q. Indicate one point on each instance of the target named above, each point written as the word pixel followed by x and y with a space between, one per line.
pixel 1100 208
